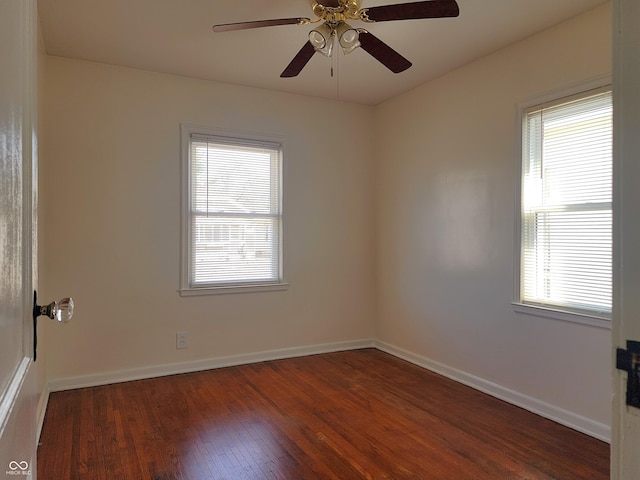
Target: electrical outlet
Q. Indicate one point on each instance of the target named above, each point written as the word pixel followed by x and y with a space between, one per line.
pixel 181 340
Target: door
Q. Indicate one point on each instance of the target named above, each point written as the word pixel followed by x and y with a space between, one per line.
pixel 18 395
pixel 625 439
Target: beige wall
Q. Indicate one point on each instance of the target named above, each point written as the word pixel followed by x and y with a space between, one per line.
pixel 401 227
pixel 110 220
pixel 446 202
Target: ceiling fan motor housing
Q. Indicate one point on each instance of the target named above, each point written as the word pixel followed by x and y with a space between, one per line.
pixel 346 10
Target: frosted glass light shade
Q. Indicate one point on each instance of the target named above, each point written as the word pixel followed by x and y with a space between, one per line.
pixel 322 39
pixel 348 37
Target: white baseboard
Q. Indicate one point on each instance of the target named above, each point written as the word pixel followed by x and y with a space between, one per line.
pixel 106 378
pixel 552 412
pixel 559 415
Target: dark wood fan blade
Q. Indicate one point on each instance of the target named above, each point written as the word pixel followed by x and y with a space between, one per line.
pixel 299 61
pixel 383 53
pixel 415 10
pixel 228 27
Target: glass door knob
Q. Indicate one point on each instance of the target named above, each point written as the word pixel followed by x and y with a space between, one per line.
pixel 62 310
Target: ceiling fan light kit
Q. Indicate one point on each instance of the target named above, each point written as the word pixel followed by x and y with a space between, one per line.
pixel 322 38
pixel 334 15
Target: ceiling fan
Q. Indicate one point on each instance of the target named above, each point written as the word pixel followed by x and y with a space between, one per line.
pixel 334 15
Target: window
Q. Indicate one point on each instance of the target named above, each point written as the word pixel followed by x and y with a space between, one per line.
pixel 566 214
pixel 232 213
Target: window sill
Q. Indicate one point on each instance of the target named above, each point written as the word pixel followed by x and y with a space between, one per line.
pixel 582 319
pixel 232 289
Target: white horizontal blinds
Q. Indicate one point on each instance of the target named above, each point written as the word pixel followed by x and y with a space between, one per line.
pixel 567 220
pixel 235 211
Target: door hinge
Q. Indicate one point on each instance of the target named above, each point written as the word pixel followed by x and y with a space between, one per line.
pixel 629 361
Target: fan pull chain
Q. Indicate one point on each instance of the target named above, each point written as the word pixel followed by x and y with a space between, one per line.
pixel 332 57
pixel 337 60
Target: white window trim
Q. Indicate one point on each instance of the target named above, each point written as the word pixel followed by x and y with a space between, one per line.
pixel 543 310
pixel 555 314
pixel 185 289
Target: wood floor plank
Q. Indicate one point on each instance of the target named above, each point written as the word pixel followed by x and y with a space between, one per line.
pixel 351 415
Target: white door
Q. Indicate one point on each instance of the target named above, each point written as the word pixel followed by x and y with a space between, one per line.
pixel 625 447
pixel 18 396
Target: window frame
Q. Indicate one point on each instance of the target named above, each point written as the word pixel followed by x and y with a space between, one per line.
pixel 186 289
pixel 555 97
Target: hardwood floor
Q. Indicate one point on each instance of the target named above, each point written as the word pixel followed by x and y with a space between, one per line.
pixel 351 415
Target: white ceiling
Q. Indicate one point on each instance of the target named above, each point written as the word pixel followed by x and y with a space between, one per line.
pixel 175 36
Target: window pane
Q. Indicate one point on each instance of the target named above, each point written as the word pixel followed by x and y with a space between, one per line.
pixel 576 156
pixel 235 249
pixel 566 205
pixel 235 211
pixel 570 264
